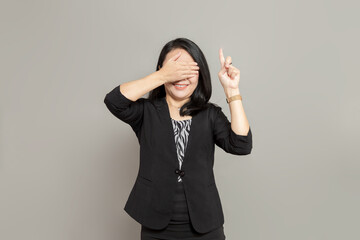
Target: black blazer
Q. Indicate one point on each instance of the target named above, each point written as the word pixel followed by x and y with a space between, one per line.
pixel 151 198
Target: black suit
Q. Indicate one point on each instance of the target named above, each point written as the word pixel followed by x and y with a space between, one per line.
pixel 151 198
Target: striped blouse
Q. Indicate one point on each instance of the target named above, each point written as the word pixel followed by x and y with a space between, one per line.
pixel 181 132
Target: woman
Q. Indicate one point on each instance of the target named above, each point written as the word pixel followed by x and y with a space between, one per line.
pixel 175 195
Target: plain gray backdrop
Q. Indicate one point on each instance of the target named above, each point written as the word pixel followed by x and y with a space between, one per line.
pixel 67 165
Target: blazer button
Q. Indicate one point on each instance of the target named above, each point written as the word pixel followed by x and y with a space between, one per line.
pixel 180 172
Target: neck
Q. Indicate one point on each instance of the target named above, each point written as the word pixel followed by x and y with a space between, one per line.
pixel 176 103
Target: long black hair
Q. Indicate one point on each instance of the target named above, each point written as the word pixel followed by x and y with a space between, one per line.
pixel 202 93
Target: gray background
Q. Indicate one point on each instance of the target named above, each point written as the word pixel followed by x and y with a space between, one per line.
pixel 67 165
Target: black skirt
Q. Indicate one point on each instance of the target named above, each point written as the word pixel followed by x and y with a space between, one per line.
pixel 180 226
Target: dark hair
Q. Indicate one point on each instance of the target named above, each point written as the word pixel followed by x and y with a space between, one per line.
pixel 202 93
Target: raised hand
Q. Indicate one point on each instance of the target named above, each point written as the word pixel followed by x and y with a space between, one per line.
pixel 173 70
pixel 229 75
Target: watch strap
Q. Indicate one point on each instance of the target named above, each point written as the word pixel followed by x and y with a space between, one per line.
pixel 236 97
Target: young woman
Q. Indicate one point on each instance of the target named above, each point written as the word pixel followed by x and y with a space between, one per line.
pixel 175 194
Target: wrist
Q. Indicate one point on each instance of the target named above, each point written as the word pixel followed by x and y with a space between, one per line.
pixel 229 92
pixel 158 75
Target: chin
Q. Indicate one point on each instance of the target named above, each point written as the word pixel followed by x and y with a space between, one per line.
pixel 180 96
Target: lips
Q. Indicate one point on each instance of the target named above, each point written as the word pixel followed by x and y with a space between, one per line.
pixel 181 83
pixel 180 86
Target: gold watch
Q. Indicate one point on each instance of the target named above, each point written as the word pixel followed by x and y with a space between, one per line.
pixel 236 97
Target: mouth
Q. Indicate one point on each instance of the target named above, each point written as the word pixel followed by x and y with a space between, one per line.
pixel 180 86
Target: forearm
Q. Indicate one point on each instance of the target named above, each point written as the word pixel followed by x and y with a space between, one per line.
pixel 239 122
pixel 135 89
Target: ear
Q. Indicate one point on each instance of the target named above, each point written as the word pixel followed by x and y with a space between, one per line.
pixel 159 67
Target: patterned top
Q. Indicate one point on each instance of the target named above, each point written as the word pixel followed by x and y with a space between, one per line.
pixel 181 131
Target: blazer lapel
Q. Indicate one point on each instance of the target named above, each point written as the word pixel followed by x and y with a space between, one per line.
pixel 170 137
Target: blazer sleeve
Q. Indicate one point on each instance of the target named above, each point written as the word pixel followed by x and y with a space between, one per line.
pixel 227 139
pixel 128 111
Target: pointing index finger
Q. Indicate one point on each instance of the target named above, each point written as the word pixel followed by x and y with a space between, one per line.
pixel 221 56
